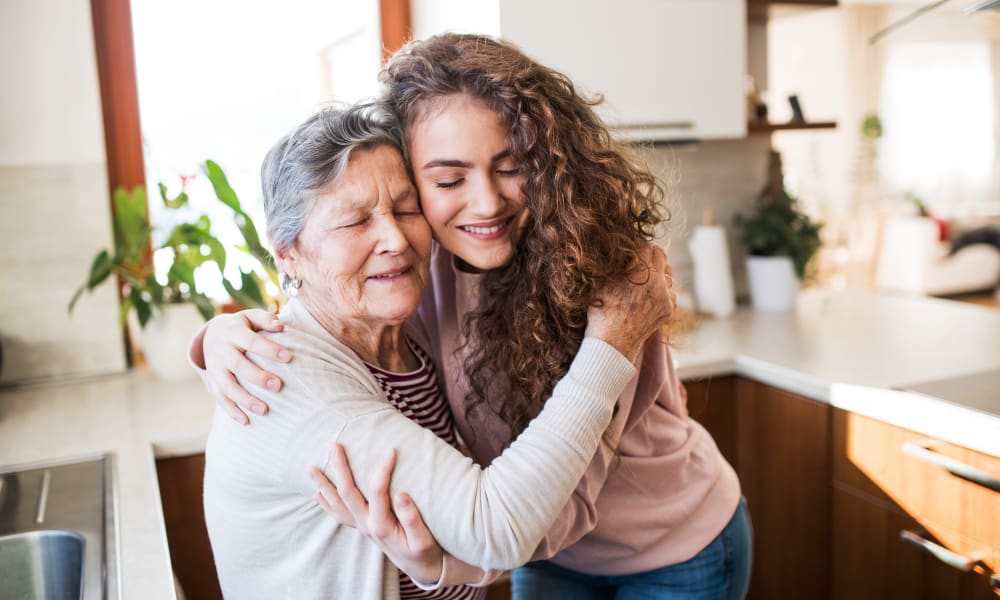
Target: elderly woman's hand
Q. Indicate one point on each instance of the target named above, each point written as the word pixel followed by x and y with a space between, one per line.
pixel 227 338
pixel 630 314
pixel 395 526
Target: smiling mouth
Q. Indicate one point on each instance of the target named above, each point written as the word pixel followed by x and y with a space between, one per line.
pixel 392 274
pixel 489 231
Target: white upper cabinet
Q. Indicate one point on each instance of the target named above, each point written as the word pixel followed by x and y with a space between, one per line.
pixel 667 69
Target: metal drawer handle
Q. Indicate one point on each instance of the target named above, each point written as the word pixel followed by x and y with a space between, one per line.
pixel 957 561
pixel 957 468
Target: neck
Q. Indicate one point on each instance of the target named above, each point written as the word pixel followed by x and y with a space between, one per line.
pixel 377 342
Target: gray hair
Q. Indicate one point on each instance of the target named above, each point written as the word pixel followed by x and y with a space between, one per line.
pixel 315 155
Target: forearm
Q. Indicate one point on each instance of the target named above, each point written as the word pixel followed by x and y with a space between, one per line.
pixel 494 518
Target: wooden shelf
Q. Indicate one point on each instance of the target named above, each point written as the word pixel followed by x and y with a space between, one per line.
pixel 763 10
pixel 758 127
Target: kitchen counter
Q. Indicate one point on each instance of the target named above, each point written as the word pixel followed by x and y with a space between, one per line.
pixel 138 419
pixel 867 352
pixel 854 350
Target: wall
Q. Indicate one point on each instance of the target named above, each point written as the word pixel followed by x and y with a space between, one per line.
pixel 54 212
pixel 724 176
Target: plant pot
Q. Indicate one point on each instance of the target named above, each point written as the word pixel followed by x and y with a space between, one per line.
pixel 773 283
pixel 166 338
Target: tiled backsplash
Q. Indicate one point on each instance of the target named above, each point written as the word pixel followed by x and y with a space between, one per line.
pixel 724 176
pixel 53 220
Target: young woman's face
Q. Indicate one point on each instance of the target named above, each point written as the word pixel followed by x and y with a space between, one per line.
pixel 470 187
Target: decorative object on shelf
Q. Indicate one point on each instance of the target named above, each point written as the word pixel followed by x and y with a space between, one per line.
pixel 780 240
pixel 713 279
pixel 796 106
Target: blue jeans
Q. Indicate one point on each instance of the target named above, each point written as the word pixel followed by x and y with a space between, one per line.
pixel 720 571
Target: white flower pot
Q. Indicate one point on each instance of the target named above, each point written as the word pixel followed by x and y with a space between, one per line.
pixel 773 283
pixel 165 341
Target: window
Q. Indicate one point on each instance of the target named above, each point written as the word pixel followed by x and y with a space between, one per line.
pixel 937 110
pixel 223 80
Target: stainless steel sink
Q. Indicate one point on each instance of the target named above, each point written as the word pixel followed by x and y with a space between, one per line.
pixel 58 532
pixel 42 564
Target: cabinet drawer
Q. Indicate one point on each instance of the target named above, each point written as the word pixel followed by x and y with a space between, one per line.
pixel 869 456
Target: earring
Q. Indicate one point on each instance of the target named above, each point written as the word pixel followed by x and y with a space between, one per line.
pixel 290 284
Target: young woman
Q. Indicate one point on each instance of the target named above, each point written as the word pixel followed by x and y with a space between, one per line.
pixel 536 210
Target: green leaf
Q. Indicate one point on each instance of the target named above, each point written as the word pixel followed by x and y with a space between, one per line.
pixel 100 269
pixel 143 310
pixel 182 271
pixel 131 225
pixel 76 296
pixel 204 305
pixel 178 201
pixel 220 183
pixel 250 294
pixel 244 223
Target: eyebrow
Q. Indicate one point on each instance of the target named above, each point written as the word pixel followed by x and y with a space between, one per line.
pixel 446 162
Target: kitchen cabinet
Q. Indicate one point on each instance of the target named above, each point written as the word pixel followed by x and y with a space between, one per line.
pixel 181 487
pixel 831 493
pixel 667 69
pixel 778 442
pixel 783 459
pixel 885 486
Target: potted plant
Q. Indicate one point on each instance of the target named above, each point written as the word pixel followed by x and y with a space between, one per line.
pixel 169 308
pixel 780 240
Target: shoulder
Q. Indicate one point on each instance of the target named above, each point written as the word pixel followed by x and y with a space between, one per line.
pixel 318 358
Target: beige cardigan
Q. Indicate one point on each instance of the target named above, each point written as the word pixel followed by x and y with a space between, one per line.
pixel 272 540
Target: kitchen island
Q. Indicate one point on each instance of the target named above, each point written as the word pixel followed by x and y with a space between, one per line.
pixel 854 350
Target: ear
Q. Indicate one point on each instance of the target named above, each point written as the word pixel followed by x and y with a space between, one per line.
pixel 289 260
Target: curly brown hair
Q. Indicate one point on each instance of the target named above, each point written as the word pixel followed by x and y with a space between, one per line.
pixel 592 206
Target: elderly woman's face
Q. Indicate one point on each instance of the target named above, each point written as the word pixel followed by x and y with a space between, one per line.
pixel 364 250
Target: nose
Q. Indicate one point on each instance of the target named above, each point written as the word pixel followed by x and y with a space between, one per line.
pixel 487 200
pixel 391 238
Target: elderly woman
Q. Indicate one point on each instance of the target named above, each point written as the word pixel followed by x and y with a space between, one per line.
pixel 345 223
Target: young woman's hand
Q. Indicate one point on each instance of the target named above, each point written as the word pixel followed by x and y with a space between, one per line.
pixel 227 338
pixel 630 314
pixel 395 526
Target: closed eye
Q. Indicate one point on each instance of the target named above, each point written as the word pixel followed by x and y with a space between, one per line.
pixel 358 223
pixel 449 184
pixel 509 172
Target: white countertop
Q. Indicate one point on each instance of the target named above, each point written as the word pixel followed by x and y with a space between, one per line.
pixel 855 350
pixel 846 348
pixel 133 416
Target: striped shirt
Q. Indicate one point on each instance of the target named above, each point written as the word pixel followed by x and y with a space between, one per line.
pixel 416 394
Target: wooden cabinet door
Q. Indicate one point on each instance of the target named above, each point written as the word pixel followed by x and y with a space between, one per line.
pixel 783 460
pixel 871 560
pixel 881 491
pixel 181 487
pixel 712 402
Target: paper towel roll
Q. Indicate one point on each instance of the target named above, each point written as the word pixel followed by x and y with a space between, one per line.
pixel 713 279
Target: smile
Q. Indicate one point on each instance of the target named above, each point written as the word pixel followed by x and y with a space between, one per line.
pixel 395 274
pixel 488 231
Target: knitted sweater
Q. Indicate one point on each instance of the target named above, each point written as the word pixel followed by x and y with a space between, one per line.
pixel 272 540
